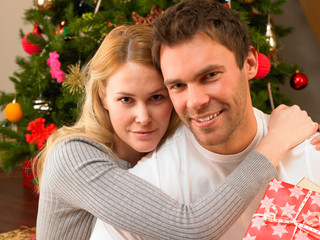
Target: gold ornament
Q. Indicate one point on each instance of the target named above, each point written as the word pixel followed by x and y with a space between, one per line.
pixel 74 79
pixel 270 36
pixel 43 4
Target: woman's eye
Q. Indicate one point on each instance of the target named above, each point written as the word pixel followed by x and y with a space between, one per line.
pixel 125 99
pixel 157 97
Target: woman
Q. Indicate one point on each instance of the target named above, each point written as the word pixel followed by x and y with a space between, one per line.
pixel 126 114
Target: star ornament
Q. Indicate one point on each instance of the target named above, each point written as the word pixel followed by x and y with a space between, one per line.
pixel 74 79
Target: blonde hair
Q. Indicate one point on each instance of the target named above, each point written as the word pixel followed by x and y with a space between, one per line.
pixel 122 44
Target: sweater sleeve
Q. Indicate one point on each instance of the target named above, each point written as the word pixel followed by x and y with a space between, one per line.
pixel 85 175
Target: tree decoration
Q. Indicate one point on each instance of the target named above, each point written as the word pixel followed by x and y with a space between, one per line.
pixel 270 96
pixel 246 1
pixel 43 4
pixel 298 80
pixel 39 132
pixel 28 47
pixel 227 3
pixel 13 111
pixel 74 79
pixel 264 66
pixel 270 35
pixel 154 13
pixel 62 29
pixel 41 105
pixel 29 175
pixel 55 65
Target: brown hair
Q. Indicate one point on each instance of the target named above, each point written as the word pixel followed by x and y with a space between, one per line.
pixel 181 21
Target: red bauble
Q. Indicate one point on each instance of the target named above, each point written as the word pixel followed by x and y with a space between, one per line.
pixel 28 47
pixel 298 81
pixel 264 66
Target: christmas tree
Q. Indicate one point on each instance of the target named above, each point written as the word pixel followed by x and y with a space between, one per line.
pixel 49 83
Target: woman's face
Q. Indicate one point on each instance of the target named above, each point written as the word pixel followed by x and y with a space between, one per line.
pixel 139 107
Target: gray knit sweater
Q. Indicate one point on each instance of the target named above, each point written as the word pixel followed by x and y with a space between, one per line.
pixel 81 182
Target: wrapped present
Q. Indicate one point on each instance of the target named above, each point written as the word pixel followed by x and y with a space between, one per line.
pixel 308 184
pixel 286 212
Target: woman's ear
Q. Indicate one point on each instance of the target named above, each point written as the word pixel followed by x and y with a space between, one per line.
pixel 252 63
pixel 103 99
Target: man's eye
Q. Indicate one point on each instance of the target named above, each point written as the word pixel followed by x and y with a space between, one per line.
pixel 212 74
pixel 176 86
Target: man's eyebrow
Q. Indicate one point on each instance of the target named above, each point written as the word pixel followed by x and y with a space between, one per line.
pixel 204 70
pixel 171 81
pixel 207 69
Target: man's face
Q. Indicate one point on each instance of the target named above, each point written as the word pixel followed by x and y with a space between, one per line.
pixel 210 93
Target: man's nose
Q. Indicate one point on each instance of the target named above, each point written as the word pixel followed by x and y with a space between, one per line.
pixel 197 97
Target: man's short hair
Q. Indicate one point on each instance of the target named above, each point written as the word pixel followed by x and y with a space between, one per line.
pixel 181 21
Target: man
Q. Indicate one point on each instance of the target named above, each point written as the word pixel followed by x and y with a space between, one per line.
pixel 207 58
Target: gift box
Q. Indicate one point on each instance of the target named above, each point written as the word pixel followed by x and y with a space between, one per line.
pixel 286 212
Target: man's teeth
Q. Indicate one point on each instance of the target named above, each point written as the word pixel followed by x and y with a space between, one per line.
pixel 208 117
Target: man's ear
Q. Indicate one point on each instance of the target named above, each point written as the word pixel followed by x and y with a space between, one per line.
pixel 252 63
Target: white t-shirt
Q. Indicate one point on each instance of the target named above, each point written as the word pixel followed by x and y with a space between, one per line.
pixel 186 171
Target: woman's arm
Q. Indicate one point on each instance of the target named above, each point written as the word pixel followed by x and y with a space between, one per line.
pixel 84 175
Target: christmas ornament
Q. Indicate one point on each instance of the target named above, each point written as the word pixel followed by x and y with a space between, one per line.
pixel 62 29
pixel 270 96
pixel 43 4
pixel 41 105
pixel 13 111
pixel 298 80
pixel 28 175
pixel 227 3
pixel 28 47
pixel 55 65
pixel 246 1
pixel 264 66
pixel 154 13
pixel 39 132
pixel 97 8
pixel 74 79
pixel 270 36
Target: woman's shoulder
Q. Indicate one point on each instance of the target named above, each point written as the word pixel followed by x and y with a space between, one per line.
pixel 78 150
pixel 75 143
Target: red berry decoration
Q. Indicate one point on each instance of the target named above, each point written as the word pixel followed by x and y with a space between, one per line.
pixel 28 47
pixel 264 66
pixel 298 80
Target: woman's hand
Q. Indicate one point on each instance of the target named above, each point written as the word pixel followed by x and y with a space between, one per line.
pixel 288 126
pixel 316 140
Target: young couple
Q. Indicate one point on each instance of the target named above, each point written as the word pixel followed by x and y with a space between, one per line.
pixel 127 113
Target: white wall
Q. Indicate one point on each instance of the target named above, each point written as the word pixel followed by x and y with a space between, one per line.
pixel 300 47
pixel 11 20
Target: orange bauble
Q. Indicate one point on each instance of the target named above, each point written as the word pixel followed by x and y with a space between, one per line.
pixel 13 112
